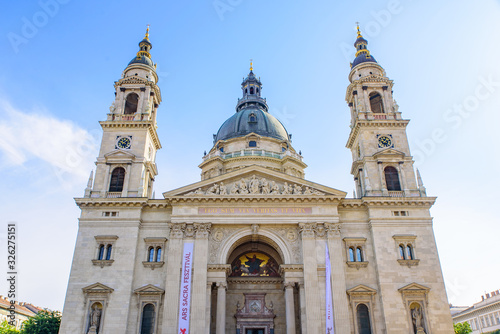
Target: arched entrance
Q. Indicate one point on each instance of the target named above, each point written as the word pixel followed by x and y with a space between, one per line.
pixel 255 295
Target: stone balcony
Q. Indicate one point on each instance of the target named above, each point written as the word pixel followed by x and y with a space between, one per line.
pixel 252 152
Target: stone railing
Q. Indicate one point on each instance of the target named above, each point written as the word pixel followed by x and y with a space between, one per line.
pixel 396 194
pixel 252 152
pixel 113 194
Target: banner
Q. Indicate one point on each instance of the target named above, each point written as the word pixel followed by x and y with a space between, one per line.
pixel 329 306
pixel 185 293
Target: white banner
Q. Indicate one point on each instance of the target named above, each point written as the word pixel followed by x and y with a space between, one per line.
pixel 329 306
pixel 185 293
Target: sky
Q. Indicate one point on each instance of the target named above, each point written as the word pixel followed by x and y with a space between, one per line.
pixel 60 59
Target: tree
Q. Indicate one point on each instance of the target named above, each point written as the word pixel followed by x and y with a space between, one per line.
pixel 45 322
pixel 5 328
pixel 462 328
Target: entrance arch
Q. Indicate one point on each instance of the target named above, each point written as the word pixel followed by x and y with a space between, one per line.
pixel 263 236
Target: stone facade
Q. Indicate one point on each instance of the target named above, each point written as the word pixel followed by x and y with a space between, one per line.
pixel 483 316
pixel 259 229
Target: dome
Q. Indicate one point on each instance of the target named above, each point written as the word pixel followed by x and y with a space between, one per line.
pixel 142 60
pixel 241 124
pixel 363 58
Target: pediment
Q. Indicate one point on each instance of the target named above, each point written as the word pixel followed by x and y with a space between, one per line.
pixel 149 290
pixel 97 288
pixel 414 288
pixel 254 181
pixel 132 80
pixel 119 156
pixel 361 290
pixel 390 152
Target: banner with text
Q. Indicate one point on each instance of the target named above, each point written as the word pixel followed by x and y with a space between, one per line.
pixel 329 306
pixel 185 295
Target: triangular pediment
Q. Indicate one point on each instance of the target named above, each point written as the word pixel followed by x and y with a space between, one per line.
pixel 119 156
pixel 254 181
pixel 361 289
pixel 149 290
pixel 132 80
pixel 97 288
pixel 390 152
pixel 414 287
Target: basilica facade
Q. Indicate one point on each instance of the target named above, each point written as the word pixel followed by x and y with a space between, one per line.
pixel 254 247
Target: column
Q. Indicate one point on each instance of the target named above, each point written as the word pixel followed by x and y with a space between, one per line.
pixel 105 186
pixel 386 99
pixel 403 179
pixel 221 308
pixel 172 284
pixel 311 285
pixel 340 303
pixel 381 177
pixel 126 181
pixel 199 292
pixel 208 307
pixel 366 99
pixel 290 308
pixel 302 298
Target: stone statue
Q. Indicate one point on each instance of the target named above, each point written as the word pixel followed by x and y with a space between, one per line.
pixel 265 187
pixel 275 189
pixel 199 192
pixel 235 189
pixel 254 185
pixel 222 189
pixel 95 319
pixel 417 320
pixel 308 191
pixel 297 190
pixel 213 190
pixel 243 187
pixel 112 108
pixel 286 191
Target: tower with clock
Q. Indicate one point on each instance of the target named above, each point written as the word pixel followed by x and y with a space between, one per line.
pixel 382 163
pixel 126 163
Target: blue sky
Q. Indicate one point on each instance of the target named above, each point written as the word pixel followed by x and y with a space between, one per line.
pixel 61 57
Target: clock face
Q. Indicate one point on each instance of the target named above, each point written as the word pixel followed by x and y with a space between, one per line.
pixel 384 141
pixel 123 142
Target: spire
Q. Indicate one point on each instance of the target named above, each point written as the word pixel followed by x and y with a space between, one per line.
pixel 143 56
pixel 362 53
pixel 147 33
pixel 251 65
pixel 251 87
pixel 89 184
pixel 421 188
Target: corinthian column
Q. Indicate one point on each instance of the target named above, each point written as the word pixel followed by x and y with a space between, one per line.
pixel 312 293
pixel 174 265
pixel 221 308
pixel 340 303
pixel 290 308
pixel 199 296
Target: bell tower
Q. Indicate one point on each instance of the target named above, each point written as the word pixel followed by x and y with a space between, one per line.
pixel 126 164
pixel 382 163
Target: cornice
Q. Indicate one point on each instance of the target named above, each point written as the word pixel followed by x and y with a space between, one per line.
pixel 130 202
pixel 374 123
pixel 135 124
pixel 399 201
pixel 255 199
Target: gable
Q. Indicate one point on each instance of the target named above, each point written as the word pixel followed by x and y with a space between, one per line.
pixel 119 156
pixel 97 288
pixel 255 181
pixel 390 152
pixel 149 290
pixel 361 290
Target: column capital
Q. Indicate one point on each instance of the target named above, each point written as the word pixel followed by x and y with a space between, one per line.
pixel 307 230
pixel 177 230
pixel 289 285
pixel 202 230
pixel 333 229
pixel 221 284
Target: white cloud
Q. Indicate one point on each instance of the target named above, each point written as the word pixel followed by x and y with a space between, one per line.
pixel 61 144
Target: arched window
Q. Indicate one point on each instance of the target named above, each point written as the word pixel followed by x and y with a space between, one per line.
pixel 252 118
pixel 158 254
pixel 363 319
pixel 351 254
pixel 151 254
pixel 359 254
pixel 252 143
pixel 257 90
pixel 100 256
pixel 246 91
pixel 410 252
pixel 402 254
pixel 108 252
pixel 376 104
pixel 251 90
pixel 117 178
pixel 131 103
pixel 392 179
pixel 148 319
